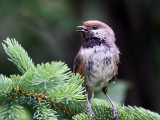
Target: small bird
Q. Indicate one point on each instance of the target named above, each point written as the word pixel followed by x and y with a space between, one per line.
pixel 97 60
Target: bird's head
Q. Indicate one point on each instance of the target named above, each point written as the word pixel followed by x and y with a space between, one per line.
pixel 97 29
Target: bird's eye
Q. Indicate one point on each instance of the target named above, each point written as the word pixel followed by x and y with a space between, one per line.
pixel 94 27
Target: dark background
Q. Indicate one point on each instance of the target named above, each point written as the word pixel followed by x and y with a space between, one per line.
pixel 47 31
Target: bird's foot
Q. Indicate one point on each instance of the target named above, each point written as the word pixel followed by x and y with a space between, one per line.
pixel 115 113
pixel 90 111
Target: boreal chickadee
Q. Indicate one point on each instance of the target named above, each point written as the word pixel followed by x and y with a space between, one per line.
pixel 97 59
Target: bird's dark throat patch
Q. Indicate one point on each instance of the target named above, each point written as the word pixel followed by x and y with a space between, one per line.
pixel 91 42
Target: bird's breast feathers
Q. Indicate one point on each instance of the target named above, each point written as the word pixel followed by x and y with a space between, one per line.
pixel 99 63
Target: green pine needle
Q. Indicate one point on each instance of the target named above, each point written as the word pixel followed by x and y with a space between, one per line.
pixel 17 55
pixel 72 90
pixel 82 116
pixel 44 112
pixel 5 85
pixel 45 77
pixel 10 110
pixel 141 113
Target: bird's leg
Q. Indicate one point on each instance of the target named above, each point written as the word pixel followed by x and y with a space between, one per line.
pixel 114 109
pixel 92 94
pixel 88 103
pixel 115 113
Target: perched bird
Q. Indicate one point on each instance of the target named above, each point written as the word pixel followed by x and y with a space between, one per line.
pixel 97 60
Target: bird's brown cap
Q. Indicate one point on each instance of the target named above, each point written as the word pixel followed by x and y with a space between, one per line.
pixel 91 23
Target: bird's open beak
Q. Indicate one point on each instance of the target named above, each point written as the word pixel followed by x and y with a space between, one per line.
pixel 83 29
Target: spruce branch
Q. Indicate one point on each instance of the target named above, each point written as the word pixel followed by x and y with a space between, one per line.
pixel 44 112
pixel 45 76
pixel 141 113
pixel 82 116
pixel 102 110
pixel 54 91
pixel 10 110
pixel 17 55
pixel 5 85
pixel 72 90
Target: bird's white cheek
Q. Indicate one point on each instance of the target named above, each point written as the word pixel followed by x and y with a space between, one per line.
pixel 103 34
pixel 99 33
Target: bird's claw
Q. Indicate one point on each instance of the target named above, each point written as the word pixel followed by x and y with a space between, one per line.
pixel 90 111
pixel 115 113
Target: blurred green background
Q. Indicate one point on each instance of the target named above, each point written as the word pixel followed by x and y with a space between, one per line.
pixel 47 31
